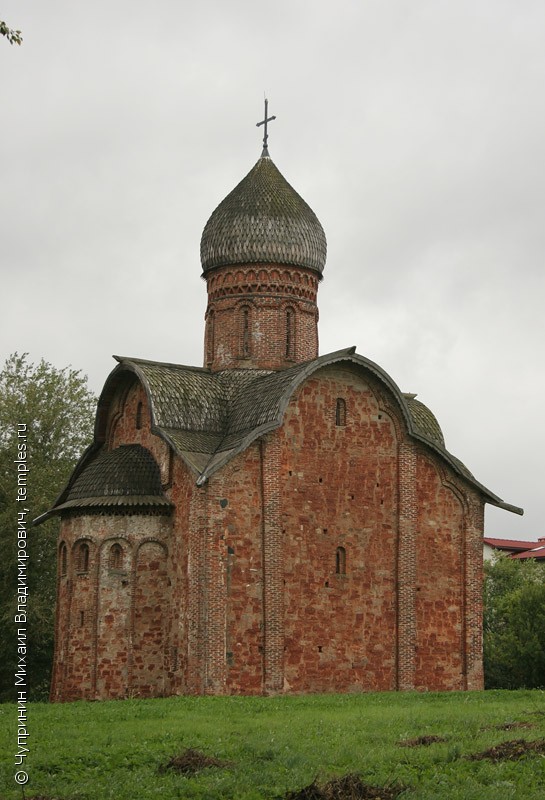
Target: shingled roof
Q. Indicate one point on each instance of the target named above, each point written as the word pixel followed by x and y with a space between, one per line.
pixel 208 418
pixel 126 476
pixel 263 220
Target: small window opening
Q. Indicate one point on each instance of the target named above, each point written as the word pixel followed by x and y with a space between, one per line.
pixel 210 337
pixel 81 618
pixel 245 331
pixel 64 559
pixel 116 556
pixel 340 561
pixel 83 558
pixel 139 416
pixel 340 412
pixel 290 333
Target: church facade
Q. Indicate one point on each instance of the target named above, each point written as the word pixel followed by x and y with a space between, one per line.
pixel 274 521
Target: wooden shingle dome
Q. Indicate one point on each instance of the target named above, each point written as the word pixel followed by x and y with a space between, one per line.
pixel 263 220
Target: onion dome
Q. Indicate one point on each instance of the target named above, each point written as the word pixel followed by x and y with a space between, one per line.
pixel 263 220
pixel 126 476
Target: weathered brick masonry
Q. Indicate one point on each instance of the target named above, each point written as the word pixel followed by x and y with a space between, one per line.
pixel 275 521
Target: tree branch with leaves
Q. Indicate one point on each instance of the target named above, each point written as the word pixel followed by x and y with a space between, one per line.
pixel 13 37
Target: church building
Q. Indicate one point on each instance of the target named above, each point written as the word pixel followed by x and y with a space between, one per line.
pixel 275 520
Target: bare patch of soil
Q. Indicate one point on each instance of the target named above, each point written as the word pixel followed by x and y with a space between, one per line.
pixel 422 741
pixel 349 787
pixel 192 761
pixel 510 751
pixel 510 726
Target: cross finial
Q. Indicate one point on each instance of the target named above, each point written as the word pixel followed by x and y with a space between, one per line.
pixel 265 133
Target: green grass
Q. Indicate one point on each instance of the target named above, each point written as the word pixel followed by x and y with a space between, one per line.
pixel 96 751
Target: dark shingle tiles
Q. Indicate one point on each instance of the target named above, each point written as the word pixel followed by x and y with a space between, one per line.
pixel 127 473
pixel 424 421
pixel 185 398
pixel 263 220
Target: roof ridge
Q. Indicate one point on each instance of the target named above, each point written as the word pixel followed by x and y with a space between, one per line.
pixel 188 367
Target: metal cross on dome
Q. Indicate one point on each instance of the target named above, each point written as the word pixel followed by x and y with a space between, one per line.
pixel 264 122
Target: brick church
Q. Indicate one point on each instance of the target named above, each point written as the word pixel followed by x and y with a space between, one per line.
pixel 274 521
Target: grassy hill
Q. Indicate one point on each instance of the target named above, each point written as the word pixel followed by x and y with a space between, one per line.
pixel 272 746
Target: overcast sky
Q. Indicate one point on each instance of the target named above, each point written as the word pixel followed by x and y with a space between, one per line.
pixel 415 129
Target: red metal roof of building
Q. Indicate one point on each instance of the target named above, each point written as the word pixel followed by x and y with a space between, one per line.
pixel 510 544
pixel 536 552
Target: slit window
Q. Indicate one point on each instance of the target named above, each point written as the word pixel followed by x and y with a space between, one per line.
pixel 245 313
pixel 63 559
pixel 83 557
pixel 340 412
pixel 340 561
pixel 290 333
pixel 210 337
pixel 139 415
pixel 116 557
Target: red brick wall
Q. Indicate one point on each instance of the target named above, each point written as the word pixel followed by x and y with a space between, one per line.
pixel 122 425
pixel 225 580
pixel 151 613
pixel 339 489
pixel 246 317
pixel 440 650
pixel 100 610
pixel 237 591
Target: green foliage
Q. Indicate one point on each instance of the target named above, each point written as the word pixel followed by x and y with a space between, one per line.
pixel 96 751
pixel 514 623
pixel 13 37
pixel 57 408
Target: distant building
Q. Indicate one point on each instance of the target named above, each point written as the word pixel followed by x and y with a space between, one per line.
pixel 514 548
pixel 276 520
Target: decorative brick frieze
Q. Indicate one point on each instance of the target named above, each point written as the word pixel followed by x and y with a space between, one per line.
pixel 262 280
pixel 260 316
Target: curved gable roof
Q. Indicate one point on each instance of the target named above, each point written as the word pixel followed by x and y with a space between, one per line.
pixel 208 418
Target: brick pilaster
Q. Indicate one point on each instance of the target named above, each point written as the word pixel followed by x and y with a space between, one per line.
pixel 406 568
pixel 273 585
pixel 473 557
pixel 215 583
pixel 196 592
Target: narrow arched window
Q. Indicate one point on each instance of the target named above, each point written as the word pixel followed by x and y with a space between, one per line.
pixel 116 557
pixel 63 557
pixel 82 559
pixel 139 416
pixel 245 332
pixel 340 412
pixel 340 561
pixel 290 333
pixel 210 333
